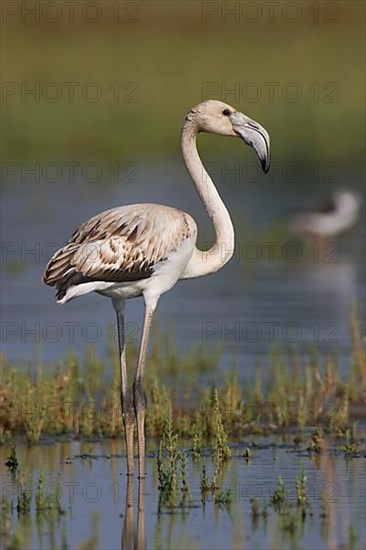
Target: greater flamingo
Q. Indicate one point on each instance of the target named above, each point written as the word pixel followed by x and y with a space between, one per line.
pixel 144 249
pixel 336 216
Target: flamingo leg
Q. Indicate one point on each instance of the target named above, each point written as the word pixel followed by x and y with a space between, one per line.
pixel 128 414
pixel 138 391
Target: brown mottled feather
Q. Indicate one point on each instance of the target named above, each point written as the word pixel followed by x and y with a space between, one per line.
pixel 119 245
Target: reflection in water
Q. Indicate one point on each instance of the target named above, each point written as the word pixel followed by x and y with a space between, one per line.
pixel 92 518
pixel 338 279
pixel 133 534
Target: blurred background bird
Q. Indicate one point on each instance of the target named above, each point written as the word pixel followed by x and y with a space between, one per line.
pixel 329 219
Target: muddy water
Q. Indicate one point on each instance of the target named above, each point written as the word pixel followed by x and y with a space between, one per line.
pixel 245 308
pixel 100 509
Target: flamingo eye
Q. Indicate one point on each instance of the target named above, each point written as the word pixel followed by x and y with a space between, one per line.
pixel 226 112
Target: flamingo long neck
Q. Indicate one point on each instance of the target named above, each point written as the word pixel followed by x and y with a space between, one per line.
pixel 205 262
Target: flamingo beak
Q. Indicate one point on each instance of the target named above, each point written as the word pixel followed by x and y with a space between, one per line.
pixel 253 134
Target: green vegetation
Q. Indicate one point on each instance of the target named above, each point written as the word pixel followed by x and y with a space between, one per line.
pixel 149 72
pixel 301 495
pixel 351 447
pixel 82 400
pixel 12 460
pixel 278 497
pixel 39 507
pixel 292 514
pixel 168 467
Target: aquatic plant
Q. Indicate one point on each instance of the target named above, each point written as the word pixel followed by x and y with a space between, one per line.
pixel 12 460
pixel 24 500
pixel 254 506
pixel 168 461
pixel 351 447
pixel 197 445
pixel 316 443
pixel 301 493
pixel 247 454
pixel 279 495
pixel 220 446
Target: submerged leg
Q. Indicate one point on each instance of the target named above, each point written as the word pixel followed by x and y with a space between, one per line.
pixel 138 392
pixel 128 414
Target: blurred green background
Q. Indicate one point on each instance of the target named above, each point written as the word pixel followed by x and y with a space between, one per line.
pixel 151 61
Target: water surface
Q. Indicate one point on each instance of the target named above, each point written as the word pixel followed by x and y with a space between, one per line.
pixel 94 498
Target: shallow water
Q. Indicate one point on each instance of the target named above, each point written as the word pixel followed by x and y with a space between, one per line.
pixel 94 497
pixel 244 308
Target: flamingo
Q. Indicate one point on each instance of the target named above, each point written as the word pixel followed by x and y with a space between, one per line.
pixel 339 214
pixel 144 249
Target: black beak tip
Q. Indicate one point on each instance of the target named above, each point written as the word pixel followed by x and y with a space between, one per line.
pixel 265 166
